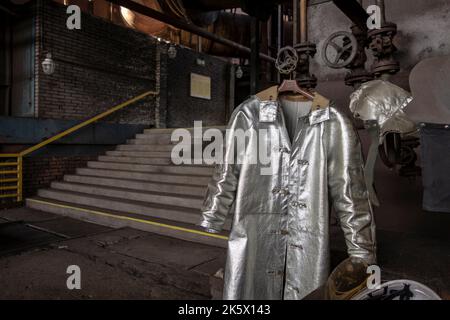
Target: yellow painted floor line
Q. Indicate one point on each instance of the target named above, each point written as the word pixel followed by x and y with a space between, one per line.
pixel 99 213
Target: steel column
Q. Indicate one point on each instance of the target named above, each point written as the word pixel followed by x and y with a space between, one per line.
pixel 254 57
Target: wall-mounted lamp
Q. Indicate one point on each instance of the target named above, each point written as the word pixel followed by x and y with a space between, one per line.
pixel 48 65
pixel 172 51
pixel 239 72
pixel 200 62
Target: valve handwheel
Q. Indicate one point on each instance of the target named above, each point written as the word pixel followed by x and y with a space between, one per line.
pixel 287 60
pixel 344 53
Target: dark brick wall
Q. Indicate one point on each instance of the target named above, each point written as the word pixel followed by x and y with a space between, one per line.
pixel 96 67
pixel 104 64
pixel 182 109
pixel 39 172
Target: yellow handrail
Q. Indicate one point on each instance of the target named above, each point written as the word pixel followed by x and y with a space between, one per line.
pixel 18 163
pixel 11 172
pixel 9 155
pixel 85 123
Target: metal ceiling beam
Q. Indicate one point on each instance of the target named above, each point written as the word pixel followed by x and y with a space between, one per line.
pixel 146 11
pixel 5 8
pixel 354 11
pixel 211 5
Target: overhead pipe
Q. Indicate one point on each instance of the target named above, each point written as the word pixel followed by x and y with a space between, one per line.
pixel 146 11
pixel 354 11
pixel 7 10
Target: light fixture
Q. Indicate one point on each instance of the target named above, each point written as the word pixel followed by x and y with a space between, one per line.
pixel 48 65
pixel 200 62
pixel 239 72
pixel 172 51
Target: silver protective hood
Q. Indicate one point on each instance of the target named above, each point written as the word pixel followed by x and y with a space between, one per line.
pixel 279 241
pixel 384 103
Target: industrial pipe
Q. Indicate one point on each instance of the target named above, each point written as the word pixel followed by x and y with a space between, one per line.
pixel 380 3
pixel 146 11
pixel 354 11
pixel 303 22
pixel 294 22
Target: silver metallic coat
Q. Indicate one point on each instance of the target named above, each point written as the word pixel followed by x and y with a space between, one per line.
pixel 279 241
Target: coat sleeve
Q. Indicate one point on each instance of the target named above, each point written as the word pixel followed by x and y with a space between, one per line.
pixel 221 191
pixel 348 189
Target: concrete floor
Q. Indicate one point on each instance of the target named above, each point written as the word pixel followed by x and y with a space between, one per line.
pixel 114 263
pixel 131 264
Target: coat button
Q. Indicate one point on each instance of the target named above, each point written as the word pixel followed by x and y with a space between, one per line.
pixel 298 204
pixel 275 272
pixel 284 232
pixel 295 289
pixel 298 246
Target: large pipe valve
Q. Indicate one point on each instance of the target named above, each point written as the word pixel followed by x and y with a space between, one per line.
pixel 339 49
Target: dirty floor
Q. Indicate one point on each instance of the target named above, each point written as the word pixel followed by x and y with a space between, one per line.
pixel 36 248
pixel 114 263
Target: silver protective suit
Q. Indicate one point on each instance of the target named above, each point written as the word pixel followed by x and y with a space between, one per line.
pixel 383 102
pixel 380 104
pixel 279 242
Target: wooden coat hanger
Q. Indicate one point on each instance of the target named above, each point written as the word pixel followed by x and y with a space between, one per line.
pixel 286 63
pixel 292 86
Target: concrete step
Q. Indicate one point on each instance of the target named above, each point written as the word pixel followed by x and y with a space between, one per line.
pixel 137 186
pixel 188 170
pixel 145 147
pixel 169 130
pixel 193 202
pixel 157 143
pixel 155 138
pixel 140 154
pixel 180 214
pixel 146 176
pixel 146 160
pixel 182 189
pixel 118 219
pixel 139 160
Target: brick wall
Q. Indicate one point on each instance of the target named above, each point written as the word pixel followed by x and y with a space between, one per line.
pixel 104 64
pixel 39 172
pixel 182 109
pixel 96 67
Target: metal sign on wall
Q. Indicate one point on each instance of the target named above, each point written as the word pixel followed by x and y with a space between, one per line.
pixel 200 86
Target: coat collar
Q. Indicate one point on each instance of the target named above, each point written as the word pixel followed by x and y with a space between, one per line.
pixel 319 111
pixel 271 94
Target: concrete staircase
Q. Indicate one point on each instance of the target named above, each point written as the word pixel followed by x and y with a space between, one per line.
pixel 138 186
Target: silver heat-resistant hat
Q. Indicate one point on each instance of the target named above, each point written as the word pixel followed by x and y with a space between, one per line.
pixel 383 102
